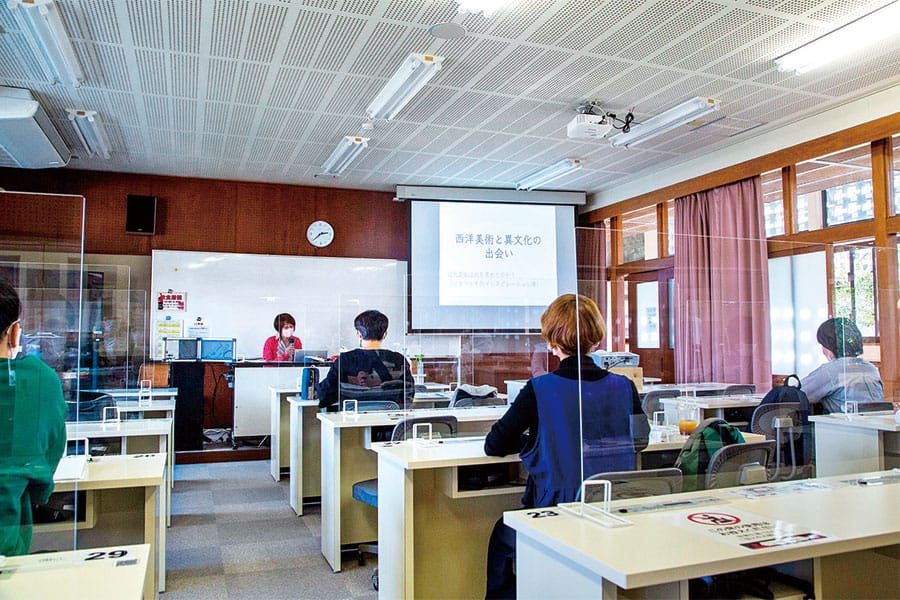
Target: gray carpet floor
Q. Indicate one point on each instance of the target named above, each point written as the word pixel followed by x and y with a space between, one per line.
pixel 234 535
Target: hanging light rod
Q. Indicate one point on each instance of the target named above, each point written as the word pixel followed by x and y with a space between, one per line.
pixel 47 37
pixel 90 131
pixel 548 174
pixel 843 41
pixel 345 153
pixel 411 77
pixel 665 121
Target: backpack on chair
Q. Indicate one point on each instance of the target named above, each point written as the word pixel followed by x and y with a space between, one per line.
pixel 709 437
pixel 786 392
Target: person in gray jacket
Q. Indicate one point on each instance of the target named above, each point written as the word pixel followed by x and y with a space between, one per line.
pixel 846 376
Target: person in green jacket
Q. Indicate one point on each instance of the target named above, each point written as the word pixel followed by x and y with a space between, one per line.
pixel 32 430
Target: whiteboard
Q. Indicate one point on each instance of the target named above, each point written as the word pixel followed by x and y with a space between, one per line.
pixel 238 296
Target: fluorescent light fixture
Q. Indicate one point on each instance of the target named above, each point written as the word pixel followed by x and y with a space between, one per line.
pixel 663 122
pixel 347 150
pixel 90 131
pixel 48 38
pixel 847 39
pixel 411 77
pixel 548 174
pixel 485 7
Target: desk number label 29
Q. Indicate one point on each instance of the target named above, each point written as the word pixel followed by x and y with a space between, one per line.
pixel 102 555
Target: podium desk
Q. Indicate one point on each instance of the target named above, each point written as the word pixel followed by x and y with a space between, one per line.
pixel 862 442
pixel 346 459
pixel 142 435
pixel 851 531
pixel 118 488
pixel 113 573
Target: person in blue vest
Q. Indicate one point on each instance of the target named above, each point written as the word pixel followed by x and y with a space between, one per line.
pixel 566 425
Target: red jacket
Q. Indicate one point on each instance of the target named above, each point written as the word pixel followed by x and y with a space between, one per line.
pixel 270 349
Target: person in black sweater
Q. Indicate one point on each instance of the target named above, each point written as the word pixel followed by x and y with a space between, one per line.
pixel 368 366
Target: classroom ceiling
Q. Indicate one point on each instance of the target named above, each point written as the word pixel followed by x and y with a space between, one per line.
pixel 263 90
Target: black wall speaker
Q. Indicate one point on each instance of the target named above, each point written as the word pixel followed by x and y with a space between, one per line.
pixel 140 216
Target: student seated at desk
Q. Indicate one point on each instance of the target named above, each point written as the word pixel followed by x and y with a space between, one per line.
pixel 368 366
pixel 556 409
pixel 846 376
pixel 32 430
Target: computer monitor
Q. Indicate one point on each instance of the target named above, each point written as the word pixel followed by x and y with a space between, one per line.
pixel 217 349
pixel 310 356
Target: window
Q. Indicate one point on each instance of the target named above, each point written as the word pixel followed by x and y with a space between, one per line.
pixel 639 239
pixel 854 287
pixel 773 204
pixel 835 189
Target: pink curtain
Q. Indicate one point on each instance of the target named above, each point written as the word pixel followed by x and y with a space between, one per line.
pixel 722 287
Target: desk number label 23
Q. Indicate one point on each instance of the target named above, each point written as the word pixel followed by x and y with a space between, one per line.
pixel 540 514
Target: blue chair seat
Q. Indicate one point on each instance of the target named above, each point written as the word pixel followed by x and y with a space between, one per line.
pixel 366 492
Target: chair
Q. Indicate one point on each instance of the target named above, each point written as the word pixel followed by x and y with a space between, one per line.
pixel 89 406
pixel 375 405
pixel 466 402
pixel 367 491
pixel 739 389
pixel 157 373
pixel 650 403
pixel 739 464
pixel 782 422
pixel 637 484
pixel 739 417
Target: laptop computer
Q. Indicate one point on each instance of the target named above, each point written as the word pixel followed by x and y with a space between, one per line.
pixel 306 357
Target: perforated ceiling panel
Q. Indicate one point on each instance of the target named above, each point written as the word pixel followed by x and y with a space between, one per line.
pixel 265 89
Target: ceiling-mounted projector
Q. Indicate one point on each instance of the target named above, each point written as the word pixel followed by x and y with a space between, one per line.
pixel 588 126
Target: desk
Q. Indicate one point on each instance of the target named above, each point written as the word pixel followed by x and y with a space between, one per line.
pixel 135 430
pixel 435 534
pixel 279 415
pixel 345 460
pixel 77 574
pixel 714 406
pixel 864 442
pixel 111 477
pixel 564 556
pixel 435 544
pixel 708 388
pixel 163 406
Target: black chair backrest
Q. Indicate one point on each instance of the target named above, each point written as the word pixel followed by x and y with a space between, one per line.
pixel 637 484
pixel 763 420
pixel 739 389
pixel 89 407
pixel 650 403
pixel 727 464
pixel 490 401
pixel 443 425
pixel 376 405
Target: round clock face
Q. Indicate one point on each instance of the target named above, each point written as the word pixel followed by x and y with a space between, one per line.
pixel 320 233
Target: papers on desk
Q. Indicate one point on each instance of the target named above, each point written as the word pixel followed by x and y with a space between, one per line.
pixel 70 468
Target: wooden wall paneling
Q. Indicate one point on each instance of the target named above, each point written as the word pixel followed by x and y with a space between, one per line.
pixel 272 219
pixel 789 198
pixel 616 320
pixel 886 266
pixel 662 229
pixel 861 134
pixel 366 224
pixel 201 215
pixel 42 217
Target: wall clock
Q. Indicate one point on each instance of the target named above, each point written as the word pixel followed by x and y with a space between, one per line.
pixel 320 233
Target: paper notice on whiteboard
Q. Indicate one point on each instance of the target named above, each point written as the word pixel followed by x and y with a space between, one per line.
pixel 742 528
pixel 165 328
pixel 499 258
